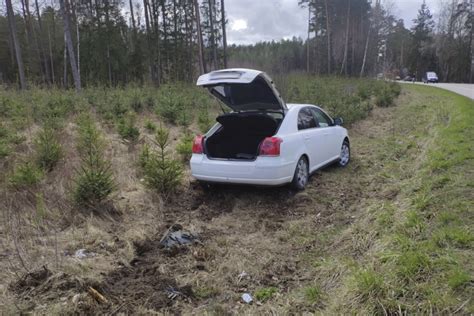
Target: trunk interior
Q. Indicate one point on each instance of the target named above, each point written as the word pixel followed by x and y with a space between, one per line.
pixel 240 135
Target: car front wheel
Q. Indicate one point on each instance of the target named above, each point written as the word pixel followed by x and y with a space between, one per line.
pixel 345 155
pixel 300 178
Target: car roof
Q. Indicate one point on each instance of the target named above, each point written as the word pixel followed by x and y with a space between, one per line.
pixel 297 106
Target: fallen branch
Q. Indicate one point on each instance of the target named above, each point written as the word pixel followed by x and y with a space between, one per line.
pixel 96 295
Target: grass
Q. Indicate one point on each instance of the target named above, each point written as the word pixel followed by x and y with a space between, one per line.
pixel 264 294
pixel 422 250
pixel 391 232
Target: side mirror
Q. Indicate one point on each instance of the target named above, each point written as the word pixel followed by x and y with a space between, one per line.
pixel 338 121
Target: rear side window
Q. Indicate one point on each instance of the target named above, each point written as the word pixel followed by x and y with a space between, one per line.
pixel 305 119
pixel 322 119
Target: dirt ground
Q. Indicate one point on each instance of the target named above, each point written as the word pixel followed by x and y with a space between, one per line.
pixel 251 240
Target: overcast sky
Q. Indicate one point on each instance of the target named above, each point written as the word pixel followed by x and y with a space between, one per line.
pixel 252 21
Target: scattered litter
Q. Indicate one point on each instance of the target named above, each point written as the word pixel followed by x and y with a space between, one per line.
pixel 184 292
pixel 247 298
pixel 96 295
pixel 176 236
pixel 83 253
pixel 241 276
pixel 76 298
pixel 173 293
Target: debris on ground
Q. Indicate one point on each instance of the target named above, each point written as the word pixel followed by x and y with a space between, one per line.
pixel 241 276
pixel 83 253
pixel 32 280
pixel 176 236
pixel 96 295
pixel 247 298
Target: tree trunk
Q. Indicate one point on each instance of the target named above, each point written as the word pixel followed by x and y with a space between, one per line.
pixel 107 28
pixel 28 39
pixel 64 5
pixel 78 49
pixel 471 43
pixel 224 35
pixel 202 65
pixel 188 54
pixel 65 63
pixel 364 60
pixel 346 45
pixel 212 37
pixel 157 63
pixel 328 35
pixel 133 17
pixel 148 41
pixel 175 30
pixel 16 44
pixel 307 38
pixel 51 57
pixel 42 49
pixel 39 52
pixel 165 35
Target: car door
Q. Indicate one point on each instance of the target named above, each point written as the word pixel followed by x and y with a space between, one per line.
pixel 329 140
pixel 312 137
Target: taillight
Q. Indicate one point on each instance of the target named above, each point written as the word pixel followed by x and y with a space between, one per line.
pixel 198 144
pixel 270 146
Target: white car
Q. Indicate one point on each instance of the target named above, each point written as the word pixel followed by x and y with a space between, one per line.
pixel 264 141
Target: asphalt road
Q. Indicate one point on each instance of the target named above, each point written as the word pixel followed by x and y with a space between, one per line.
pixel 464 89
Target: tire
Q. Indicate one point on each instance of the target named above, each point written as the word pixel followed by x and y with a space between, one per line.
pixel 345 155
pixel 301 175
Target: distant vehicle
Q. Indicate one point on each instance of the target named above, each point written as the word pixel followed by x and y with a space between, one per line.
pixel 397 78
pixel 264 141
pixel 409 78
pixel 430 76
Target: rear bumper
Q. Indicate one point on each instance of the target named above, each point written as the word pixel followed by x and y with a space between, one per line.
pixel 262 171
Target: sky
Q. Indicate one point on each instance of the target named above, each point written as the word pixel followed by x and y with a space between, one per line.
pixel 252 21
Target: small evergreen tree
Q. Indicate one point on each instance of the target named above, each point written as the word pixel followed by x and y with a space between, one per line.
pixel 160 171
pixel 94 180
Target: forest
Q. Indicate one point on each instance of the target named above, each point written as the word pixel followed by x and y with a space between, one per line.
pixel 116 43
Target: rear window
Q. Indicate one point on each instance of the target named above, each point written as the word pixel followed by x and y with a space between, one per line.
pixel 431 74
pixel 257 95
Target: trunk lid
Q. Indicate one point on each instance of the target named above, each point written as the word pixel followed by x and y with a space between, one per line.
pixel 243 90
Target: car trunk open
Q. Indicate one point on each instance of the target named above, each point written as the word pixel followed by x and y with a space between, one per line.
pixel 257 112
pixel 240 135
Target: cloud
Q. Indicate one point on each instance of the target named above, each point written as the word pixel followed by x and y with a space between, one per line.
pixel 252 21
pixel 238 25
pixel 265 20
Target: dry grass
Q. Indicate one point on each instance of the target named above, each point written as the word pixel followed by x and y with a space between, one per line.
pixel 319 251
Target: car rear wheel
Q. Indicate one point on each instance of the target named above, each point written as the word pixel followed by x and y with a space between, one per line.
pixel 300 178
pixel 345 155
